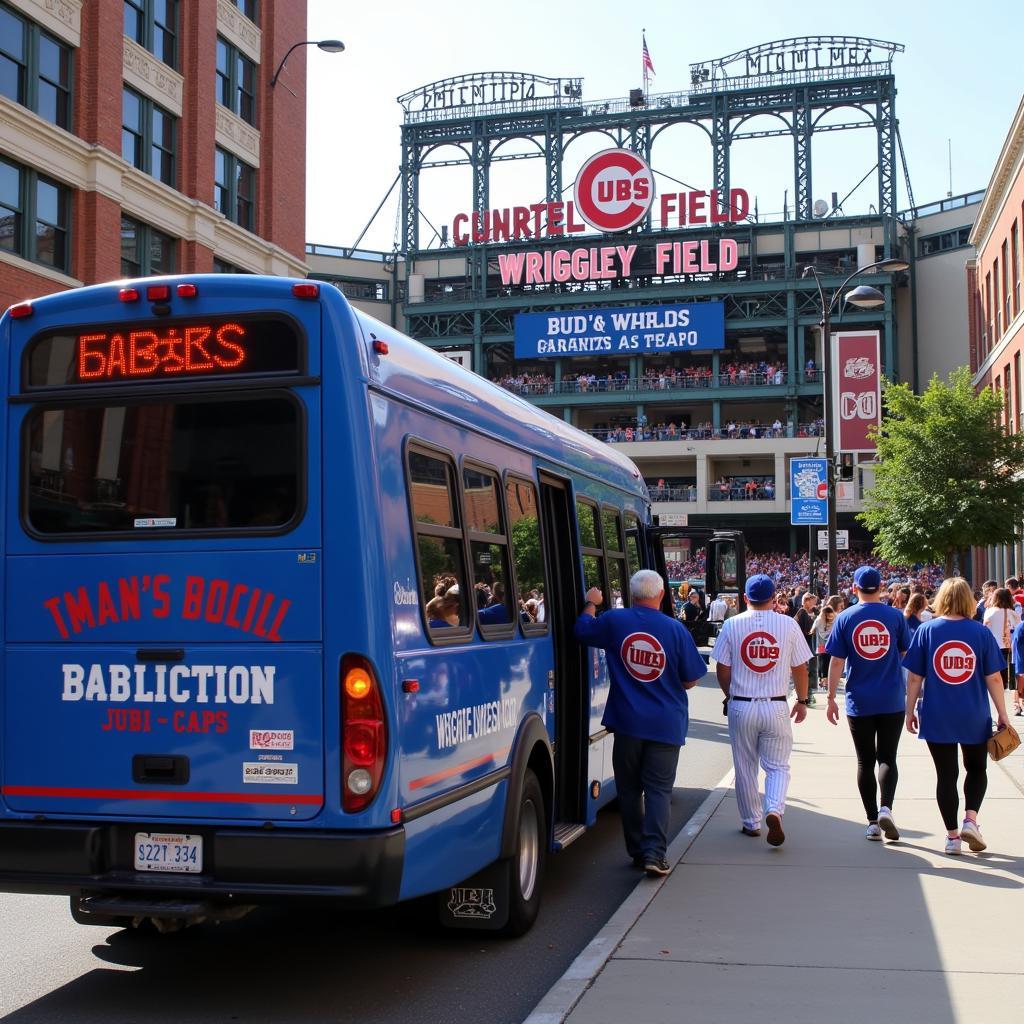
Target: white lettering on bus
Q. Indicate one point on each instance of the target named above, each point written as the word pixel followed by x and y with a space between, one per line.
pixel 180 684
pixel 464 724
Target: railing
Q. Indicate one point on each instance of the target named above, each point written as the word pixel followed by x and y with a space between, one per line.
pixel 688 493
pixel 681 382
pixel 740 492
pixel 746 432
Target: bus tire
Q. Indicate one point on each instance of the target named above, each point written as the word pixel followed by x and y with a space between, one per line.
pixel 526 866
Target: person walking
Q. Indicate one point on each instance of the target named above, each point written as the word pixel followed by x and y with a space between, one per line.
pixel 1002 618
pixel 959 664
pixel 917 604
pixel 822 628
pixel 1017 645
pixel 869 639
pixel 805 616
pixel 652 662
pixel 755 653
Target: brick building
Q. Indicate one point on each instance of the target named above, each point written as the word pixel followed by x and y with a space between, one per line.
pixel 143 137
pixel 995 314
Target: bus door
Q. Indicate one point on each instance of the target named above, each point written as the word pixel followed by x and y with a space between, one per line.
pixel 570 675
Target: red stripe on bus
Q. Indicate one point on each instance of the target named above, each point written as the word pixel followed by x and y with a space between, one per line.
pixel 72 793
pixel 447 773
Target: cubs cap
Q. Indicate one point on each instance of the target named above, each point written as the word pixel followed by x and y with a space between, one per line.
pixel 759 588
pixel 867 578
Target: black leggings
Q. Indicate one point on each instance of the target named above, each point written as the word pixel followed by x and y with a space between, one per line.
pixel 875 739
pixel 947 772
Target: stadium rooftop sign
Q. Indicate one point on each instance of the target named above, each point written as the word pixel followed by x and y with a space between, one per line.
pixel 451 97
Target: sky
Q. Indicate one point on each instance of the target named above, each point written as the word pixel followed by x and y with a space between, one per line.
pixel 959 83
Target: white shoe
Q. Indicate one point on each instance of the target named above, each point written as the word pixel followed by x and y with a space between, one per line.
pixel 873 832
pixel 970 831
pixel 887 825
pixel 953 846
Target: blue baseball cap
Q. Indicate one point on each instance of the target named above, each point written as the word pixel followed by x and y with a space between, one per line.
pixel 867 578
pixel 759 588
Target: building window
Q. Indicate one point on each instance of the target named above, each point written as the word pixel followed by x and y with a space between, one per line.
pixel 148 136
pixel 351 288
pixel 144 250
pixel 35 69
pixel 1004 283
pixel 250 8
pixel 224 267
pixel 236 81
pixel 996 305
pixel 234 189
pixel 955 239
pixel 1015 254
pixel 33 216
pixel 153 24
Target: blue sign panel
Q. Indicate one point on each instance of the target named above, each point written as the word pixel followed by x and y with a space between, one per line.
pixel 808 491
pixel 621 331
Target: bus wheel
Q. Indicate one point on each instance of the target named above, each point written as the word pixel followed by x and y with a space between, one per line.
pixel 526 866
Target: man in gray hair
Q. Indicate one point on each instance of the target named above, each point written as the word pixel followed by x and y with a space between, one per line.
pixel 652 662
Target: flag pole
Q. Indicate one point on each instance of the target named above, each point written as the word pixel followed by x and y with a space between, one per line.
pixel 643 40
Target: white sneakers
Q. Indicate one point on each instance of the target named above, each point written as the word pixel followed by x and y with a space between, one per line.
pixel 887 825
pixel 953 846
pixel 971 834
pixel 874 833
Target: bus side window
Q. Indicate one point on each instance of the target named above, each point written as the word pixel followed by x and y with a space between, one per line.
pixel 613 548
pixel 439 550
pixel 591 550
pixel 632 545
pixel 527 556
pixel 488 550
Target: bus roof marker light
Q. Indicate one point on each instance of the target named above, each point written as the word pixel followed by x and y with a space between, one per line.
pixel 380 346
pixel 158 293
pixel 20 311
pixel 305 290
pixel 187 291
pixel 129 295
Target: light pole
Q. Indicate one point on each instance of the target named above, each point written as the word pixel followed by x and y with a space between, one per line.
pixel 327 45
pixel 866 297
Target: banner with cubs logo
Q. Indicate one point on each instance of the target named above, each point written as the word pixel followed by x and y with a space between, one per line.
pixel 856 390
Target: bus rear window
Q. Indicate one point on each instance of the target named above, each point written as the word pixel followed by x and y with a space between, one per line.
pixel 176 464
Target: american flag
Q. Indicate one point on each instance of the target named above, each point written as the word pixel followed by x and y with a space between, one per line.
pixel 647 62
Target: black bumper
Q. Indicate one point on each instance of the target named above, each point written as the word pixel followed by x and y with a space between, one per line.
pixel 355 869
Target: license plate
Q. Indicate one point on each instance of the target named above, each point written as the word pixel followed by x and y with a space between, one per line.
pixel 168 851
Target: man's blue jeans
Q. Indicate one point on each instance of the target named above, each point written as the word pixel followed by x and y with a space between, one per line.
pixel 645 772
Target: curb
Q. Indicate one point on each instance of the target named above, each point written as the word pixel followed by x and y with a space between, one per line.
pixel 562 997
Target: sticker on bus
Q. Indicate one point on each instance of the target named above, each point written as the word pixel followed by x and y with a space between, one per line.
pixel 278 773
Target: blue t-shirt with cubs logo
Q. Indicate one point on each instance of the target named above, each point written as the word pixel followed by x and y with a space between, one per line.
pixel 954 656
pixel 871 637
pixel 650 658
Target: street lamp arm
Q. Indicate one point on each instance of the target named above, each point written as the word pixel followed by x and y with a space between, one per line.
pixel 294 46
pixel 839 291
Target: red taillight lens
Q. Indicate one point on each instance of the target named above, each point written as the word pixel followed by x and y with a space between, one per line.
pixel 305 291
pixel 187 291
pixel 364 742
pixel 20 311
pixel 158 293
pixel 380 346
pixel 128 294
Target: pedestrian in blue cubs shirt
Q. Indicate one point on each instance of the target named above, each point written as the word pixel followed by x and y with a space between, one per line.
pixel 870 638
pixel 961 666
pixel 652 662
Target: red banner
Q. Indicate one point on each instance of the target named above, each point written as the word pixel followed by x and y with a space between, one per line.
pixel 856 390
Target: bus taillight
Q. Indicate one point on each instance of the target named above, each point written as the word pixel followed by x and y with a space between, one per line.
pixel 363 733
pixel 20 311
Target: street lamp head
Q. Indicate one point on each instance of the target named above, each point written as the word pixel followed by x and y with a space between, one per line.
pixel 865 296
pixel 893 265
pixel 331 45
pixel 807 271
pixel 327 45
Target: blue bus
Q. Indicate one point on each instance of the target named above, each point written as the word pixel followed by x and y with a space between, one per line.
pixel 288 606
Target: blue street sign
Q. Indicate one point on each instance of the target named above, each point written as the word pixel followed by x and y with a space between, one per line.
pixel 808 492
pixel 621 331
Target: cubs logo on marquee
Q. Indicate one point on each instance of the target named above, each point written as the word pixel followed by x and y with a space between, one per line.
pixel 614 190
pixel 643 656
pixel 760 651
pixel 954 662
pixel 871 640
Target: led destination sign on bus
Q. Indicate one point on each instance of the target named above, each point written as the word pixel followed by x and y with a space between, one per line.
pixel 136 352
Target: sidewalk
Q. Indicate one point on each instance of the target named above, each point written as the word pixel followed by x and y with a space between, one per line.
pixel 829 927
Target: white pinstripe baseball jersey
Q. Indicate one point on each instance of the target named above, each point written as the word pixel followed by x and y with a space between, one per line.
pixel 760 647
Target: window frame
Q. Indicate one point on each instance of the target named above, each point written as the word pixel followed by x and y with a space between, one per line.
pixel 232 163
pixel 620 555
pixel 143 132
pixel 497 631
pixel 244 6
pixel 150 395
pixel 146 16
pixel 30 70
pixel 453 634
pixel 25 234
pixel 144 238
pixel 233 82
pixel 592 552
pixel 528 629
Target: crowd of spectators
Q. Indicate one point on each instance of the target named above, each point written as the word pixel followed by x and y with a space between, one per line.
pixel 732 431
pixel 790 571
pixel 743 488
pixel 730 374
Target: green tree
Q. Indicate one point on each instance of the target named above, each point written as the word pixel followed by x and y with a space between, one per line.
pixel 529 561
pixel 949 475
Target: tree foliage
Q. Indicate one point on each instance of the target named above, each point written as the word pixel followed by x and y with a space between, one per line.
pixel 949 475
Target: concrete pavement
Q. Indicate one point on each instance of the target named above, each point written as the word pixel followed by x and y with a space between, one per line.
pixel 829 927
